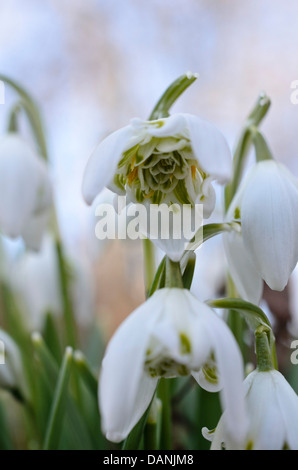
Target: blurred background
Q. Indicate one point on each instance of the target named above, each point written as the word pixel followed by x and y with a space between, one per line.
pixel 92 65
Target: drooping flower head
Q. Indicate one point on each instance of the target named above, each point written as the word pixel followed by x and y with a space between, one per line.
pixel 171 160
pixel 25 191
pixel 267 205
pixel 172 334
pixel 272 407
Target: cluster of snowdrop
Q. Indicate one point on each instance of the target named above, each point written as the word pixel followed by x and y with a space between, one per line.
pixel 177 158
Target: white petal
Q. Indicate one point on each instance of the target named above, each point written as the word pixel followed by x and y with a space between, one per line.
pixel 270 223
pixel 124 390
pixel 19 183
pixel 248 281
pixel 210 148
pixel 173 126
pixel 34 230
pixel 230 367
pixel 174 249
pixel 288 404
pixel 209 197
pixel 103 162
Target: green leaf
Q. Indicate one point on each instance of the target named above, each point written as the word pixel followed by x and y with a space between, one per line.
pixel 243 145
pixel 159 278
pixel 133 440
pixel 189 271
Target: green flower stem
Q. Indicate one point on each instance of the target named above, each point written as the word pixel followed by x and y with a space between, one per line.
pixel 234 320
pixel 263 349
pixel 171 94
pixel 262 150
pixel 163 393
pixel 133 440
pixel 243 145
pixel 173 274
pixel 149 264
pixel 31 109
pixel 70 325
pixel 54 426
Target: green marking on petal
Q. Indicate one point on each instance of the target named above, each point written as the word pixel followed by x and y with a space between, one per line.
pixel 249 445
pixel 181 193
pixel 210 374
pixel 185 344
pixel 237 213
pixel 128 156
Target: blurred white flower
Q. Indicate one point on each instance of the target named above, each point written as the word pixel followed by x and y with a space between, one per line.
pixel 25 191
pixel 272 407
pixel 267 204
pixel 172 334
pixel 11 367
pixel 171 160
pixel 35 282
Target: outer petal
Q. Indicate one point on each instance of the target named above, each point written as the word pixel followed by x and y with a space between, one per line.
pixel 248 281
pixel 288 404
pixel 124 390
pixel 102 164
pixel 270 224
pixel 19 183
pixel 210 148
pixel 173 125
pixel 230 366
pixel 34 230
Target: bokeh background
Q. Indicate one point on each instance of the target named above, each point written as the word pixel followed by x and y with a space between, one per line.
pixel 92 65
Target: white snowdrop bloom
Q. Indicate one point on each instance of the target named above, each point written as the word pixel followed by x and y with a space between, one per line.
pixel 25 191
pixel 171 334
pixel 272 407
pixel 35 281
pixel 11 369
pixel 172 160
pixel 267 249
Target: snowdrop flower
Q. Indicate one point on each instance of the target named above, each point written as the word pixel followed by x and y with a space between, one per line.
pixel 11 370
pixel 267 205
pixel 25 191
pixel 273 415
pixel 172 334
pixel 34 279
pixel 171 160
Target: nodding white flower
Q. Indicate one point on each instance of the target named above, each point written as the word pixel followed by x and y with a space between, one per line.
pixel 172 334
pixel 267 205
pixel 272 407
pixel 11 369
pixel 34 280
pixel 171 160
pixel 25 191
